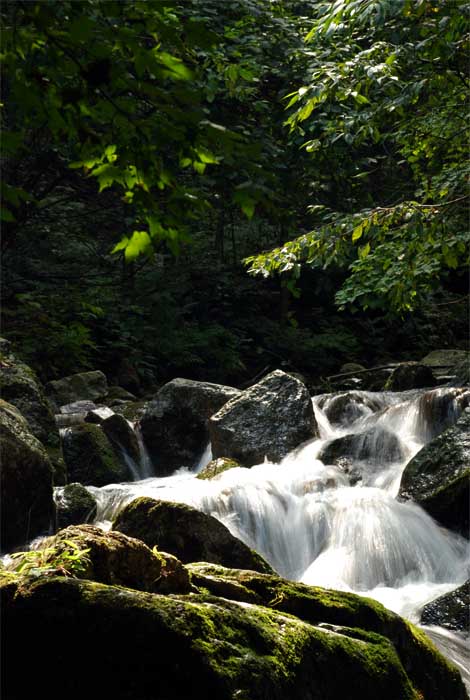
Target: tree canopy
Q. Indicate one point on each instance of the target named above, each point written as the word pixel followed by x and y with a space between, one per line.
pixel 151 147
pixel 385 103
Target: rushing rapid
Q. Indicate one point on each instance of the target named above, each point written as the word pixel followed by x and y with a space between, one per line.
pixel 335 521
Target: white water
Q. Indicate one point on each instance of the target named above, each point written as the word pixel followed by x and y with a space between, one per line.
pixel 312 525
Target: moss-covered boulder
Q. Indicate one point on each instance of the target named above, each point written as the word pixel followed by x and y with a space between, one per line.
pixel 90 457
pixel 74 505
pixel 187 533
pixel 27 504
pixel 451 610
pixel 20 386
pixel 116 559
pixel 438 477
pixel 91 385
pixel 217 466
pixel 269 420
pixel 427 670
pixel 131 644
pixel 174 423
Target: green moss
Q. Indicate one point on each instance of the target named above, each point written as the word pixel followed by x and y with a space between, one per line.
pixel 218 466
pixel 347 610
pixel 181 646
pixel 90 457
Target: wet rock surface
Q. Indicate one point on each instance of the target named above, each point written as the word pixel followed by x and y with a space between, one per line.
pixel 268 420
pixel 451 610
pixel 174 423
pixel 187 533
pixel 438 477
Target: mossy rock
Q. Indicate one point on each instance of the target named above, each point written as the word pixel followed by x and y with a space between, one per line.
pixel 167 647
pixel 27 505
pixel 20 386
pixel 424 665
pixel 90 457
pixel 217 466
pixel 91 385
pixel 187 533
pixel 116 559
pixel 75 505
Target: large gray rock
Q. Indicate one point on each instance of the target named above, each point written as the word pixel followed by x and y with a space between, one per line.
pixel 187 533
pixel 174 423
pixel 451 610
pixel 27 504
pixel 269 420
pixel 438 477
pixel 90 457
pixel 78 387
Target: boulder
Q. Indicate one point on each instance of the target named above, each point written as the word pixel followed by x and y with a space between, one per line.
pixel 27 504
pixel 119 560
pixel 74 505
pixel 119 393
pixel 122 435
pixel 410 375
pixel 345 408
pixel 187 533
pixel 20 386
pixel 217 466
pixel 91 386
pixel 449 366
pixel 201 645
pixel 174 423
pixel 375 446
pixel 269 419
pixel 438 477
pixel 447 358
pixel 451 610
pixel 90 457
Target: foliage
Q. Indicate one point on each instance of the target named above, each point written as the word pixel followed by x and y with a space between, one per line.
pixel 385 98
pixel 68 560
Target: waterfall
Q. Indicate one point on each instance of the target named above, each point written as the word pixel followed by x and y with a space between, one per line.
pixel 333 520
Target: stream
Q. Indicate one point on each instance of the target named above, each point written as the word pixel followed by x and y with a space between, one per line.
pixel 337 525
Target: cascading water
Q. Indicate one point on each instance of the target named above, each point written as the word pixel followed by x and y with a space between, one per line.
pixel 338 525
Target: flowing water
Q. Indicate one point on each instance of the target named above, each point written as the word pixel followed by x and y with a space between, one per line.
pixel 338 525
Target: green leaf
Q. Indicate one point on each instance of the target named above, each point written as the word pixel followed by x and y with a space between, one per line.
pixel 364 251
pixel 121 245
pixel 175 65
pixel 6 215
pixel 138 244
pixel 357 233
